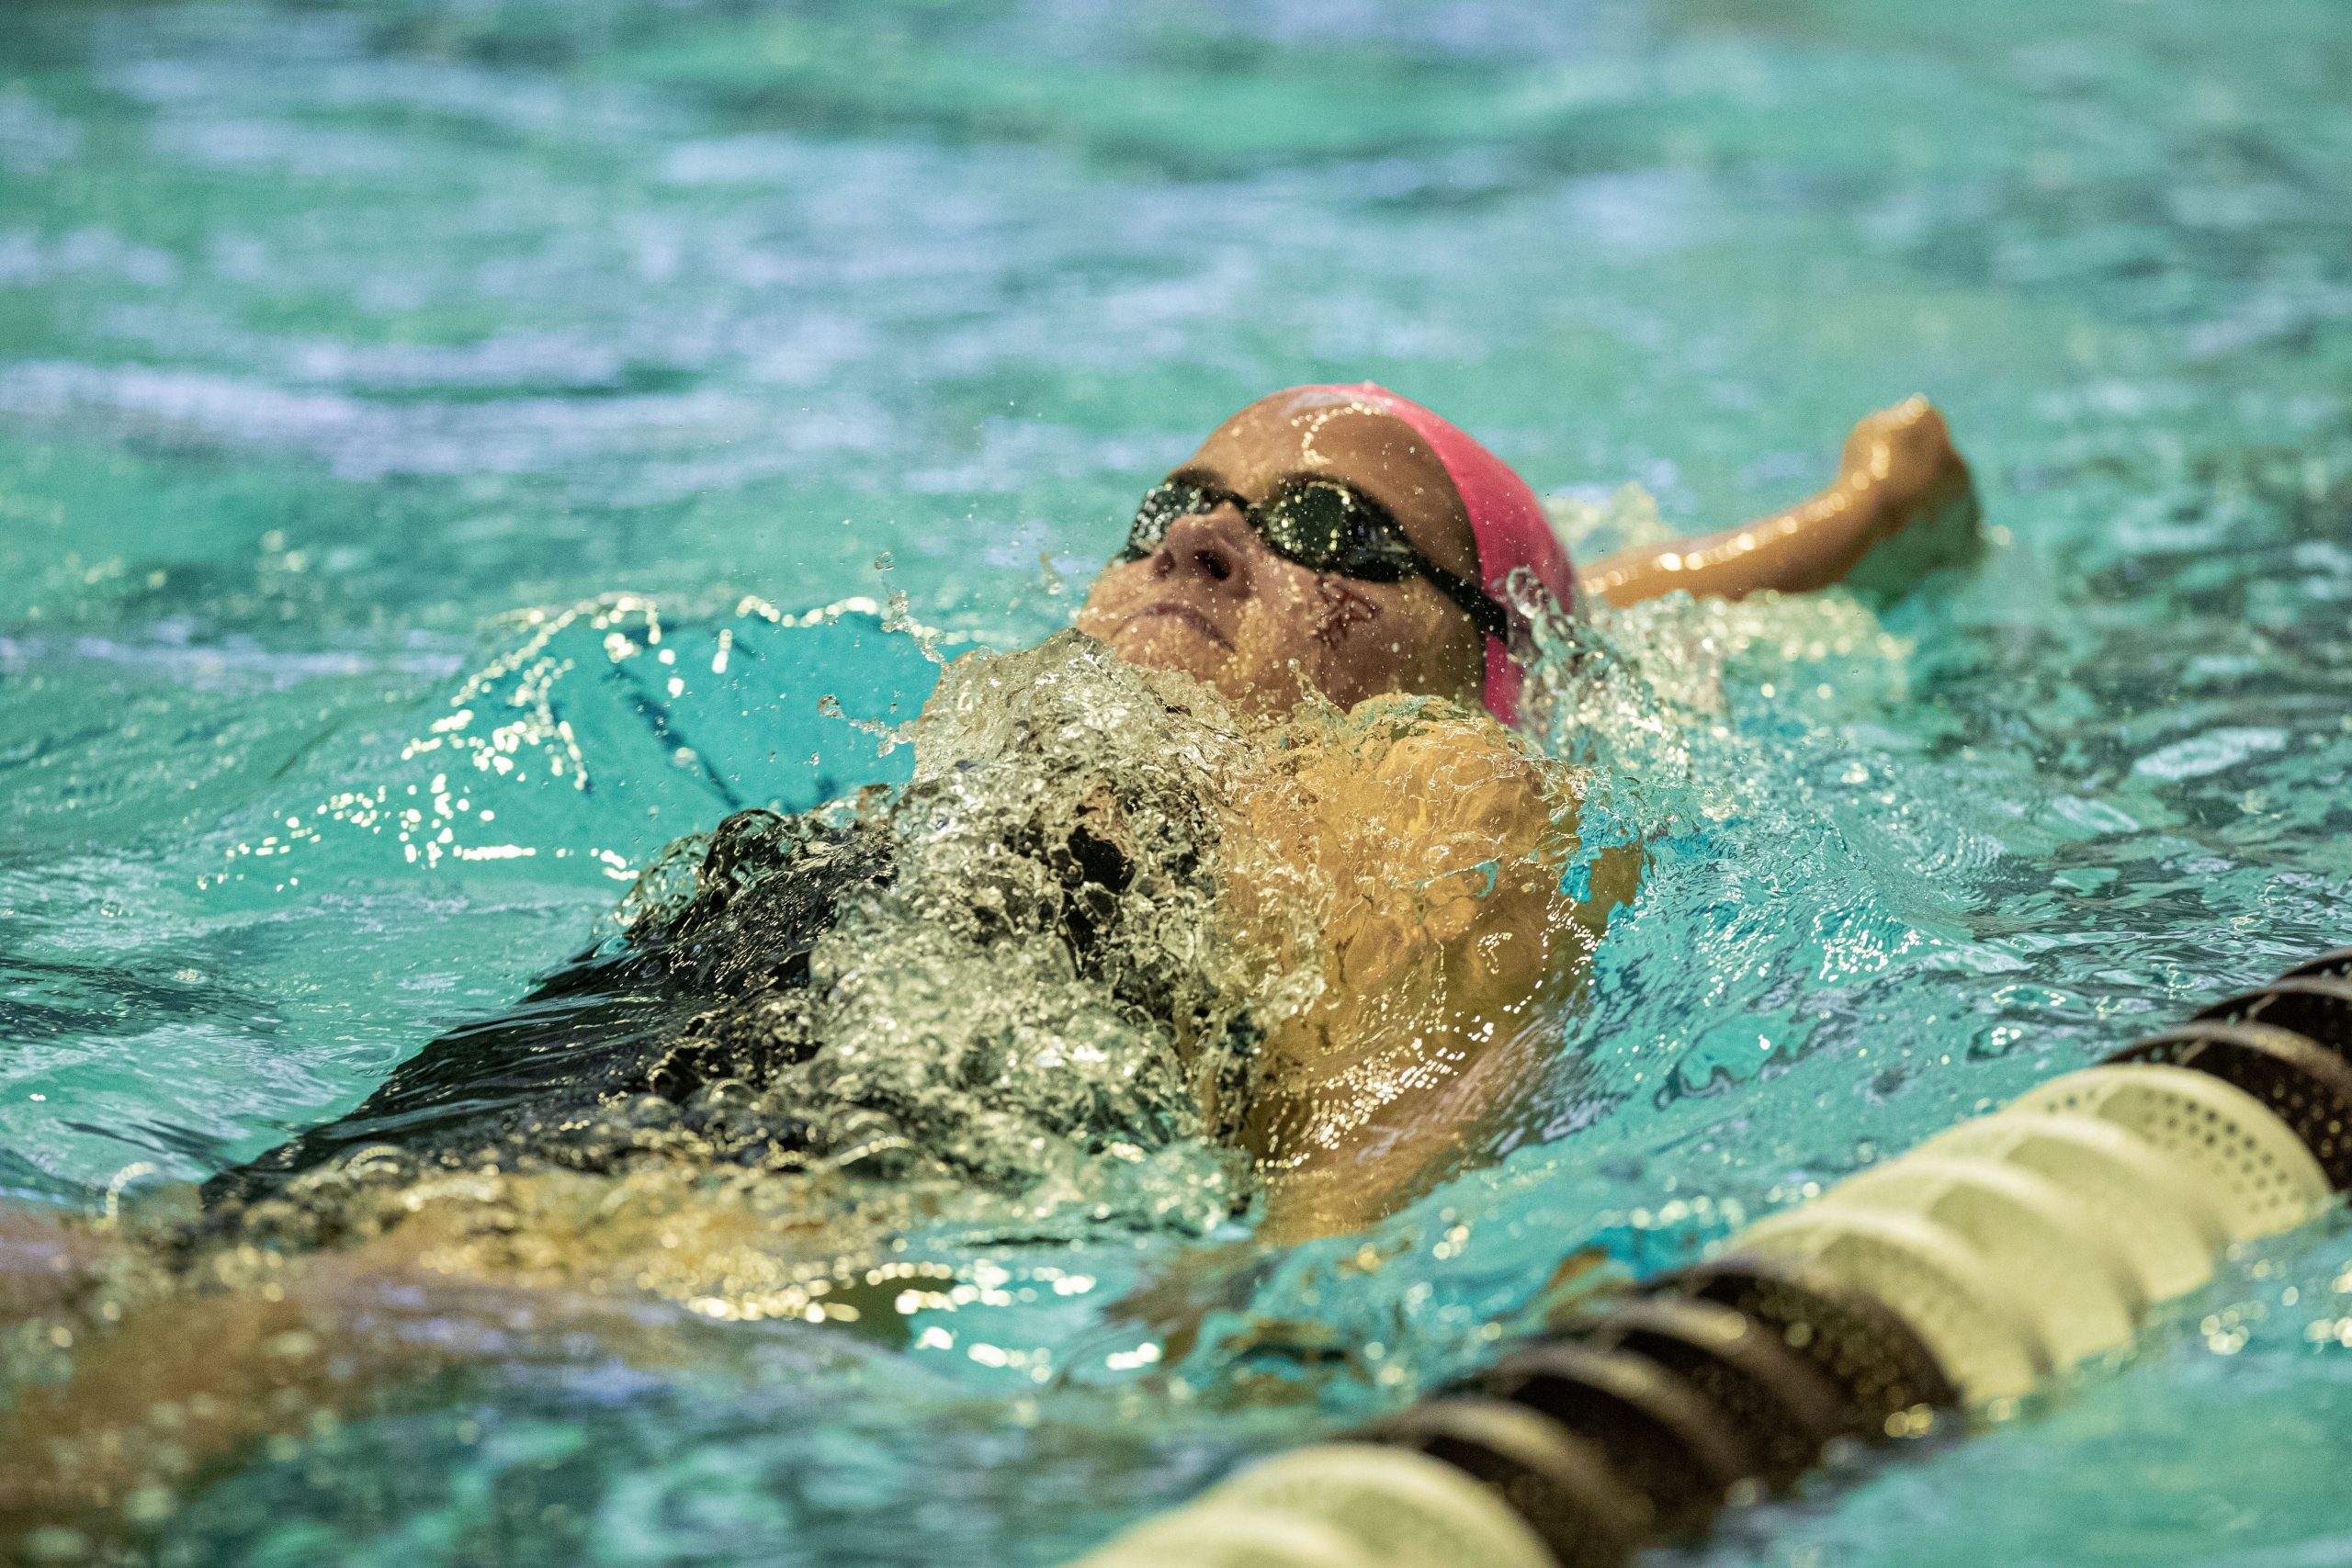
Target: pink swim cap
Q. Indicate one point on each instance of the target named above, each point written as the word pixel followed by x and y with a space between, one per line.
pixel 1506 520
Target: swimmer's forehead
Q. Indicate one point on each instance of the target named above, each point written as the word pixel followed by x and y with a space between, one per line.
pixel 1333 434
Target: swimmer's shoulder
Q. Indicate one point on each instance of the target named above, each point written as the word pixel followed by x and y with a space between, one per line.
pixel 1404 733
pixel 1462 771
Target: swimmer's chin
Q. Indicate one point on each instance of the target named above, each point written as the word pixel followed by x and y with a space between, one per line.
pixel 1169 641
pixel 1169 644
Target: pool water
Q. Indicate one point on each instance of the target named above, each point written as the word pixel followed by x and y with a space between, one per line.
pixel 364 366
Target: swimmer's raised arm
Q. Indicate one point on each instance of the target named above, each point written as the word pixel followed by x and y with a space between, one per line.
pixel 1900 479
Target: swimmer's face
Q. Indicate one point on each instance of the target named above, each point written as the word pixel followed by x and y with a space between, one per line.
pixel 1216 602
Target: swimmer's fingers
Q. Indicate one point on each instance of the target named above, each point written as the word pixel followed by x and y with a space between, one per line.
pixel 1177 1300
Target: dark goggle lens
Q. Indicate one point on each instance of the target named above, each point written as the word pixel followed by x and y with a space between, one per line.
pixel 1329 527
pixel 1162 504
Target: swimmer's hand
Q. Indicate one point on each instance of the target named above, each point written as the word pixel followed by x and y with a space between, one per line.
pixel 1918 504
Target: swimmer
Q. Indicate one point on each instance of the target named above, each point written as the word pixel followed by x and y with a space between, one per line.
pixel 1344 545
pixel 1316 916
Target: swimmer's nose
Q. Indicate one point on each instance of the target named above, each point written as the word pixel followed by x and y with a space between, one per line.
pixel 1207 544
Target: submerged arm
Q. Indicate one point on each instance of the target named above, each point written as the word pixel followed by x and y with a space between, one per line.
pixel 164 1384
pixel 1900 485
pixel 163 1373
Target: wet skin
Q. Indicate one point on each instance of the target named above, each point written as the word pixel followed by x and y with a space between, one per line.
pixel 1216 603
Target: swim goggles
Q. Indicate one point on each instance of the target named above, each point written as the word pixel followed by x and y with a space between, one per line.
pixel 1322 525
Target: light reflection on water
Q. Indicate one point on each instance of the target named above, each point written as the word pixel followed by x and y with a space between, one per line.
pixel 327 334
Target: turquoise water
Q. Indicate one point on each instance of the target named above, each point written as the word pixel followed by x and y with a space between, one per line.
pixel 333 336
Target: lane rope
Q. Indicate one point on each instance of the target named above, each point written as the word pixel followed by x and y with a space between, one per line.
pixel 1994 1254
